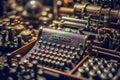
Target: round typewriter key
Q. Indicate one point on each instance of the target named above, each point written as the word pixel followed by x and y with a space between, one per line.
pixel 62 46
pixel 104 76
pixel 42 50
pixel 41 60
pixel 51 57
pixel 53 44
pixel 75 54
pixel 51 48
pixel 62 66
pixel 92 63
pixel 56 49
pixel 113 70
pixel 92 74
pixel 53 63
pixel 30 66
pixel 110 75
pixel 54 53
pixel 26 77
pixel 45 61
pixel 50 52
pixel 60 59
pixel 69 63
pixel 106 70
pixel 67 47
pixel 77 49
pixel 39 54
pixel 33 57
pixel 58 54
pixel 114 65
pixel 72 57
pixel 57 45
pixel 116 78
pixel 82 71
pixel 101 67
pixel 63 55
pixel 40 41
pixel 64 60
pixel 91 60
pixel 28 56
pixel 70 52
pixel 95 67
pixel 109 65
pixel 18 56
pixel 49 62
pixel 49 43
pixel 37 58
pixel 99 72
pixel 44 42
pixel 85 64
pixel 43 46
pixel 43 55
pixel 81 45
pixel 9 60
pixel 68 56
pixel 35 53
pixel 55 58
pixel 65 51
pixel 47 47
pixel 35 63
pixel 87 69
pixel 57 64
pixel 99 63
pixel 61 50
pixel 46 51
pixel 96 59
pixel 14 65
pixel 72 48
pixel 47 56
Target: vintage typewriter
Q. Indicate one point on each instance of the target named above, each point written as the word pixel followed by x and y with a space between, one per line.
pixel 57 49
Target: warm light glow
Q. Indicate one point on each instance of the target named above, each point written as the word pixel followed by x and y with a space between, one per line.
pixel 32 2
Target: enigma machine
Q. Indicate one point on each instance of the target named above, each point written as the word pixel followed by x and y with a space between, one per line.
pixel 59 39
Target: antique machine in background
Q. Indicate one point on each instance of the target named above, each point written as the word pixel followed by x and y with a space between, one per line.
pixel 60 40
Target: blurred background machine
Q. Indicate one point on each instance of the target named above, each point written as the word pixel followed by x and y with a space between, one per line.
pixel 59 40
